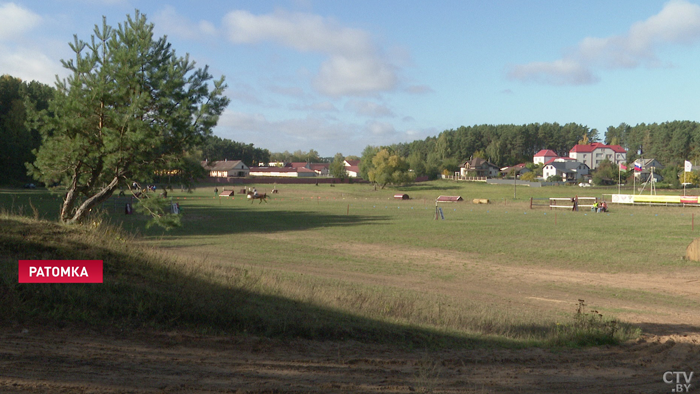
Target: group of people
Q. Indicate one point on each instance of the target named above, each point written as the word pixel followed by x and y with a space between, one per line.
pixel 600 207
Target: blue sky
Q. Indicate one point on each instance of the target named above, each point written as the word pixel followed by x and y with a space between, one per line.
pixel 336 76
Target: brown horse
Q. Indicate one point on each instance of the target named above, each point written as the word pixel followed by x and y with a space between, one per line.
pixel 261 196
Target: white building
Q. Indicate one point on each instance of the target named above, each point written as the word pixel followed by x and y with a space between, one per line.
pixel 568 170
pixel 544 156
pixel 226 168
pixel 594 153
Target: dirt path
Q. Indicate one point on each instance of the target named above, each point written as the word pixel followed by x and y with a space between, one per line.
pixel 89 362
pixel 652 300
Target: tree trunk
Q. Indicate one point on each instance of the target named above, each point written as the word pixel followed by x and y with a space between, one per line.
pixel 69 200
pixel 93 201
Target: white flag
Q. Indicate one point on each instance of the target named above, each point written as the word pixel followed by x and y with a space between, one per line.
pixel 688 166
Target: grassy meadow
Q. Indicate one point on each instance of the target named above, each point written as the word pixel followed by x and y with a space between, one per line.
pixel 349 262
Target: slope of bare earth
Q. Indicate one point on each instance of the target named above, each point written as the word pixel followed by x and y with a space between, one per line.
pixel 68 361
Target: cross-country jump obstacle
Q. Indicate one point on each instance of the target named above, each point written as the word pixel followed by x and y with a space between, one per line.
pixel 570 203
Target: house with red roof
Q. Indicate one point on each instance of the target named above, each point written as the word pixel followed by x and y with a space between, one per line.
pixel 594 153
pixel 544 156
pixel 353 168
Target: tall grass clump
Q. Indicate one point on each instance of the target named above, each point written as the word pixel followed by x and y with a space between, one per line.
pixel 591 329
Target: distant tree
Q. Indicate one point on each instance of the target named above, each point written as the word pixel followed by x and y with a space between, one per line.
pixel 605 173
pixel 298 156
pixel 528 176
pixel 451 165
pixel 18 140
pixel 130 109
pixel 675 175
pixel 688 177
pixel 352 157
pixel 337 167
pixel 417 163
pixel 389 168
pixel 554 178
pixel 215 148
pixel 366 161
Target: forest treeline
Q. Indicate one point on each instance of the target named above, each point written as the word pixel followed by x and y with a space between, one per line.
pixel 671 143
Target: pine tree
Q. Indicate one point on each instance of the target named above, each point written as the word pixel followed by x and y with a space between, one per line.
pixel 131 108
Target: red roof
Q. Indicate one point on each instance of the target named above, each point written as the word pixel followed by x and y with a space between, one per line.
pixel 546 153
pixel 319 166
pixel 596 145
pixel 353 162
pixel 558 158
pixel 272 169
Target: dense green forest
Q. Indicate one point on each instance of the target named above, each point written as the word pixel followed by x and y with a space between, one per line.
pixel 504 145
pixel 671 143
pixel 17 140
pixel 216 148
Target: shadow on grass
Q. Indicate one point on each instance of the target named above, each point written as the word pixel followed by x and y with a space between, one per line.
pixel 145 290
pixel 420 187
pixel 232 220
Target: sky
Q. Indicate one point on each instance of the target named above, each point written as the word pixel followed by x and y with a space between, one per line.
pixel 337 76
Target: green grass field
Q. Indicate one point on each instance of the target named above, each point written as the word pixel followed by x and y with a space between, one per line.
pixel 356 258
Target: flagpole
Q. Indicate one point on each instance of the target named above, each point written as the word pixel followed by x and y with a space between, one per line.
pixel 618 178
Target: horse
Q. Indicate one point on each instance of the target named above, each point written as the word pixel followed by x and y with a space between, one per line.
pixel 261 196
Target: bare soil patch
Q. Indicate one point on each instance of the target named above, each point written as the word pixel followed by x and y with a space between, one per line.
pixel 62 361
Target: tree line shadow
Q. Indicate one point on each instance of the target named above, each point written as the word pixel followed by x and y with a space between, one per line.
pixel 213 220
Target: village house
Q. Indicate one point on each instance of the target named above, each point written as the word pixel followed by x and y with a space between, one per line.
pixel 569 171
pixel 544 156
pixel 321 169
pixel 478 167
pixel 517 169
pixel 646 166
pixel 353 168
pixel 285 172
pixel 593 154
pixel 226 168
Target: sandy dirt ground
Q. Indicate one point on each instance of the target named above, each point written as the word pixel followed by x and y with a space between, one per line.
pixel 33 359
pixel 67 361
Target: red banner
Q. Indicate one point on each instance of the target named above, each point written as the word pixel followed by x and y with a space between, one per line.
pixel 60 271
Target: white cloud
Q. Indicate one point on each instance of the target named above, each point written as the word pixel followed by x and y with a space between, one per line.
pixel 291 91
pixel 18 57
pixel 354 65
pixel 419 89
pixel 15 21
pixel 323 106
pixel 29 65
pixel 380 128
pixel 558 72
pixel 368 108
pixel 176 25
pixel 677 23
